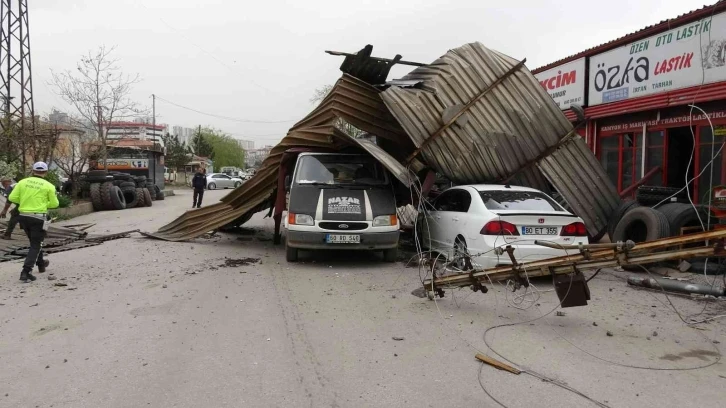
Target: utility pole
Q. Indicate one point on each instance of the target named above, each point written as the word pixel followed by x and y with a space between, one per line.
pixel 153 127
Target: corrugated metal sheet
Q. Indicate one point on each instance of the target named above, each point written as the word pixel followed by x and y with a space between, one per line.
pixel 506 134
pixel 350 99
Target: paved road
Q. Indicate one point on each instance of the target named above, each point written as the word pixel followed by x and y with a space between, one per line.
pixel 159 324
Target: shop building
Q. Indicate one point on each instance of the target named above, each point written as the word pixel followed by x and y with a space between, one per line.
pixel 654 101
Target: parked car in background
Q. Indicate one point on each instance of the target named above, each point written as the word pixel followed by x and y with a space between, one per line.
pixel 222 181
pixel 476 219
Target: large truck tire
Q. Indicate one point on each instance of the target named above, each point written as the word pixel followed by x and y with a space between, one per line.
pixel 683 215
pixel 132 199
pixel 618 215
pixel 106 196
pixel 141 201
pixel 117 198
pixel 147 197
pixel 642 224
pixel 96 197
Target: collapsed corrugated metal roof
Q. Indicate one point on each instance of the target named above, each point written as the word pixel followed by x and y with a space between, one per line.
pixel 477 115
pixel 474 115
pixel 351 100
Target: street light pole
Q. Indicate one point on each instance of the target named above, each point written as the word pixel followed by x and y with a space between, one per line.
pixel 153 129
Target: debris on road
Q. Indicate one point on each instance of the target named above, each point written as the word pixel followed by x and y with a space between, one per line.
pixel 233 263
pixel 60 284
pixel 561 313
pixel 677 286
pixel 398 338
pixel 609 333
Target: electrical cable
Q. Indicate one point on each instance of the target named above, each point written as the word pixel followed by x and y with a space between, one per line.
pixel 224 117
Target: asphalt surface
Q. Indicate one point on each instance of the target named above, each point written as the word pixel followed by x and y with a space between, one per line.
pixel 152 323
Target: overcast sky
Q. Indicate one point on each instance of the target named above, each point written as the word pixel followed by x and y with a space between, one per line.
pixel 262 60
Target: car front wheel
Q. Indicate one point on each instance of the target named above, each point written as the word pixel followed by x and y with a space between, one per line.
pixel 211 186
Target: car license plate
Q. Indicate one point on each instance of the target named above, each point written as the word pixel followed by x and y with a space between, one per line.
pixel 539 230
pixel 342 239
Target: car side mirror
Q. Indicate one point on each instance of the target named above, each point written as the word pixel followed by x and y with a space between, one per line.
pixel 288 183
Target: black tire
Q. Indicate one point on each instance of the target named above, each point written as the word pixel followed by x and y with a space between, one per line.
pixel 96 197
pixel 97 173
pixel 390 255
pixel 159 194
pixel 128 184
pixel 461 261
pixel 147 197
pixel 154 190
pixel 117 198
pixel 122 176
pixel 683 215
pixel 663 191
pixel 117 183
pixel 237 184
pixel 618 215
pixel 291 254
pixel 96 179
pixel 140 200
pixel 642 224
pixel 653 199
pixel 132 199
pixel 211 186
pixel 106 196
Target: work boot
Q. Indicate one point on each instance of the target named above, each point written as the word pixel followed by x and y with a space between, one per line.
pixel 41 268
pixel 26 277
pixel 199 206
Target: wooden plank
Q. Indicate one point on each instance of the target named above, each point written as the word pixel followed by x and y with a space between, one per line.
pixel 497 364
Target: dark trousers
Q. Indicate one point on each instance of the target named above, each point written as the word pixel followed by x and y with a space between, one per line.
pixel 12 221
pixel 198 195
pixel 33 228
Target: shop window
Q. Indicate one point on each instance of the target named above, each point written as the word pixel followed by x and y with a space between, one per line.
pixel 654 156
pixel 610 156
pixel 707 148
pixel 622 158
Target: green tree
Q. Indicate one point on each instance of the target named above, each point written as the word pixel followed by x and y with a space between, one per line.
pixel 200 143
pixel 177 152
pixel 226 151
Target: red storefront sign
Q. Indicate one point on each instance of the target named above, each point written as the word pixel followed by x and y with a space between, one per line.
pixel 681 120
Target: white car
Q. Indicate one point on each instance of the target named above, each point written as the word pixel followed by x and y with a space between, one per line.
pixel 478 218
pixel 221 180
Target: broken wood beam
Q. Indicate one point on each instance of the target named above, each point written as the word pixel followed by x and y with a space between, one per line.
pixel 497 364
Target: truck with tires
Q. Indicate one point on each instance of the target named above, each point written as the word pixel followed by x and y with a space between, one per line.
pixel 340 202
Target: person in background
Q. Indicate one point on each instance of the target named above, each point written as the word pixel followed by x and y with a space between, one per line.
pixel 199 184
pixel 5 182
pixel 34 196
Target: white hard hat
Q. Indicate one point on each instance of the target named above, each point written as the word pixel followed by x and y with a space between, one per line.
pixel 40 166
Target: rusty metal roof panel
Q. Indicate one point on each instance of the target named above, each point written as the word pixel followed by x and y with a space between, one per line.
pixel 351 100
pixel 509 125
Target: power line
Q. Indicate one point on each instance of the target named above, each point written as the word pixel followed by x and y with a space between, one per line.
pixel 224 117
pixel 178 32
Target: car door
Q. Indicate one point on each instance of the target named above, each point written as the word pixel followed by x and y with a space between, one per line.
pixel 225 181
pixel 436 218
pixel 453 217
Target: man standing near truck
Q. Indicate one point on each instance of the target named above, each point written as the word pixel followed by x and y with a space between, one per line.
pixel 199 184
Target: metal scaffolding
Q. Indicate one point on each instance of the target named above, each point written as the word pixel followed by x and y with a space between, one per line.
pixel 16 91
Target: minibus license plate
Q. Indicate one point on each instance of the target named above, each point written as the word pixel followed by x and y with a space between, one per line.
pixel 343 239
pixel 539 230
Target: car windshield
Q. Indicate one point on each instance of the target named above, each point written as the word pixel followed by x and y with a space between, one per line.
pixel 340 170
pixel 518 200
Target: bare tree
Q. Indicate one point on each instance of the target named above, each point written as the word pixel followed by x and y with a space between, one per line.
pixel 74 150
pixel 319 95
pixel 99 91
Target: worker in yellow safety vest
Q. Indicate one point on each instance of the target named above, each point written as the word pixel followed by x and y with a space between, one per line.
pixel 34 196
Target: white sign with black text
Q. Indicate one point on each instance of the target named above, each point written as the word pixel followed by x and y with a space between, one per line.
pixel 565 83
pixel 690 55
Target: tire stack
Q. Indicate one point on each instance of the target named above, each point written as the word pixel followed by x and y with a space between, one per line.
pixel 118 191
pixel 652 195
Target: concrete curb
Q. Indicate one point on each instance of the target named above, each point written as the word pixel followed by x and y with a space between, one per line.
pixel 76 210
